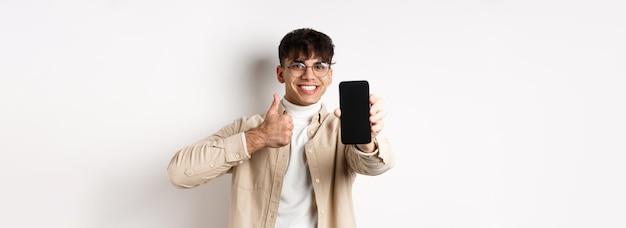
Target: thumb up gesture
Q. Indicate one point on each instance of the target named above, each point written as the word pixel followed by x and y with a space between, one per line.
pixel 275 131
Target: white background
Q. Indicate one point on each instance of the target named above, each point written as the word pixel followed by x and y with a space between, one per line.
pixel 501 113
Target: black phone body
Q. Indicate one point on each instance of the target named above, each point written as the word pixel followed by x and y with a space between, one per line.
pixel 355 112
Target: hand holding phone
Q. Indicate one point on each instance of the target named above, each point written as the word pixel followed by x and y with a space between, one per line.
pixel 355 112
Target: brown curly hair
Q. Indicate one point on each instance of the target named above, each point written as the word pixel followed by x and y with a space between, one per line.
pixel 306 42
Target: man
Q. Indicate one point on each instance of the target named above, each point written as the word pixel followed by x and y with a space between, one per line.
pixel 289 167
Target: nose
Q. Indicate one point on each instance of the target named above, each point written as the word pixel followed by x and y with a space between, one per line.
pixel 308 73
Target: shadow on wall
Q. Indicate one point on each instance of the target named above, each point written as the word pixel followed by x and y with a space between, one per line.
pixel 262 83
pixel 138 193
pixel 210 202
pixel 159 204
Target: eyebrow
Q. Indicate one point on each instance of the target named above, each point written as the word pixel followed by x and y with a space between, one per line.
pixel 302 61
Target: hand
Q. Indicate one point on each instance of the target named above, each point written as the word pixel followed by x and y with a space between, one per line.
pixel 377 115
pixel 274 132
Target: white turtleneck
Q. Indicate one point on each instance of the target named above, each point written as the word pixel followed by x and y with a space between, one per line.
pixel 297 207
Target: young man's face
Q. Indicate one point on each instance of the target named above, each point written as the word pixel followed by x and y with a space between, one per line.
pixel 304 88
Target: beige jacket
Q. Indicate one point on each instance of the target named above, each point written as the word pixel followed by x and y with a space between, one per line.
pixel 257 179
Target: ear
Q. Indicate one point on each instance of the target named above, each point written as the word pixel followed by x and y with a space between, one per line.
pixel 280 74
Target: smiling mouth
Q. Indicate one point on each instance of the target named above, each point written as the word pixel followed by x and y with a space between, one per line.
pixel 308 88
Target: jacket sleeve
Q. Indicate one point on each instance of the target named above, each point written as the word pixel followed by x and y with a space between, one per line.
pixel 371 164
pixel 209 158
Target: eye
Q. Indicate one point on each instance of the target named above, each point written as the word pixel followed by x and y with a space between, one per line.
pixel 297 66
pixel 320 66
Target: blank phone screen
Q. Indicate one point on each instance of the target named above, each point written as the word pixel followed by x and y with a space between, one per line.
pixel 355 108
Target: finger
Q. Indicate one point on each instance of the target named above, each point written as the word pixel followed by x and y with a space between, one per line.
pixel 286 120
pixel 373 98
pixel 378 117
pixel 275 104
pixel 337 112
pixel 377 105
pixel 377 128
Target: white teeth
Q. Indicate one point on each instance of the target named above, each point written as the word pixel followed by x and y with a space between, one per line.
pixel 307 87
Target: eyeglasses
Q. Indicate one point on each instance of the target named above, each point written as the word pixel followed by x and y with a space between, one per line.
pixel 319 69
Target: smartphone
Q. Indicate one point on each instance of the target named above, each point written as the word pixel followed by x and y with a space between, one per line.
pixel 355 112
